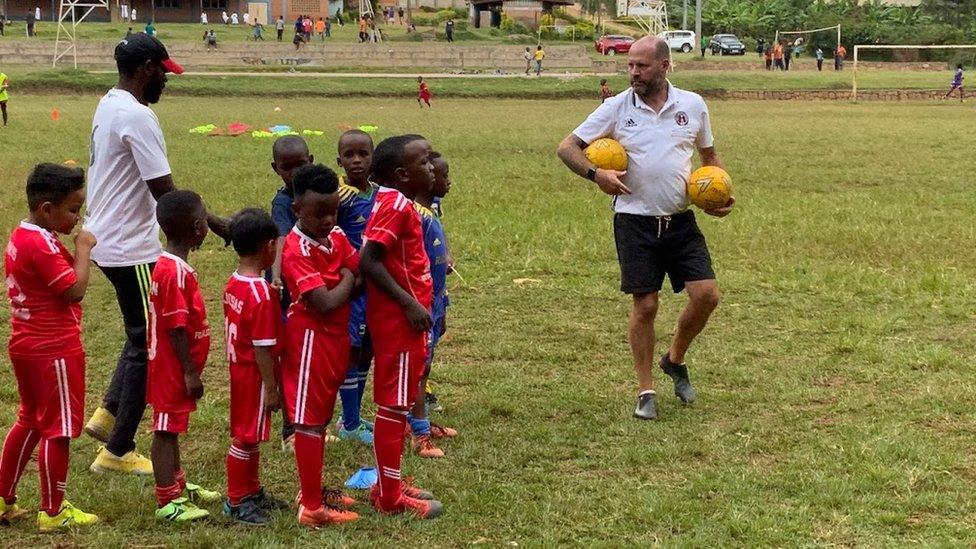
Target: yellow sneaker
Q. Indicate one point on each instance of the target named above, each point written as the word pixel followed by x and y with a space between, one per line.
pixel 101 424
pixel 68 517
pixel 132 463
pixel 10 512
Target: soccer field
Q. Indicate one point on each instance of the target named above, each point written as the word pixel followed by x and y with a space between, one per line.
pixel 835 379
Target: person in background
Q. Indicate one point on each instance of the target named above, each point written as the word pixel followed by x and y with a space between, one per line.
pixel 2 23
pixel 37 13
pixel 704 45
pixel 128 33
pixel 203 18
pixel 150 29
pixel 400 14
pixel 778 56
pixel 258 31
pixel 449 30
pixel 30 24
pixel 225 17
pixel 328 27
pixel 820 58
pixel 760 45
pixel 132 16
pixel 528 60
pixel 768 54
pixel 280 26
pixel 320 29
pixel 956 84
pixel 4 86
pixel 839 54
pixel 210 39
pixel 787 57
pixel 234 19
pixel 605 92
pixel 539 56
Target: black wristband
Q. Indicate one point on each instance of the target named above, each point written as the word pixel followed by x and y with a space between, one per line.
pixel 591 174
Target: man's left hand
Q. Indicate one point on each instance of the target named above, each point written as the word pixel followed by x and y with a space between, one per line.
pixel 220 227
pixel 724 210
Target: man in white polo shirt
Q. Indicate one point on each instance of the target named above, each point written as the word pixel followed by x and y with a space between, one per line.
pixel 656 235
pixel 129 171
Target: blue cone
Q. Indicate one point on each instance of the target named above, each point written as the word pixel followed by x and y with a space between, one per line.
pixel 362 479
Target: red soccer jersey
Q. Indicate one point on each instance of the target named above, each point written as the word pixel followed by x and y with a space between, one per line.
pixel 307 264
pixel 174 302
pixel 395 224
pixel 252 318
pixel 44 323
pixel 424 91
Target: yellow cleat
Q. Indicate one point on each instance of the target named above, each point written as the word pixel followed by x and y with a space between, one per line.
pixel 132 463
pixel 101 424
pixel 68 517
pixel 10 512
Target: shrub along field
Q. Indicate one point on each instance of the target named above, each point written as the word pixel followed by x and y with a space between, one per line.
pixel 835 379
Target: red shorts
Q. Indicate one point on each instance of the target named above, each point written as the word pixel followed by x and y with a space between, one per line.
pixel 171 422
pixel 396 377
pixel 314 366
pixel 249 421
pixel 52 394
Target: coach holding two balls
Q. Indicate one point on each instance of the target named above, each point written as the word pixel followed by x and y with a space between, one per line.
pixel 655 232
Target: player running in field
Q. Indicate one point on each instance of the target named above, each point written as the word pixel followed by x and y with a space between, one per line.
pixel 46 285
pixel 398 301
pixel 423 93
pixel 319 267
pixel 956 83
pixel 179 342
pixel 252 327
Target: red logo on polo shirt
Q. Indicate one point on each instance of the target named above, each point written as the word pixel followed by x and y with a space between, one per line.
pixel 681 118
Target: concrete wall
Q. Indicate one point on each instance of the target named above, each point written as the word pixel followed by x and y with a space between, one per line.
pixel 374 56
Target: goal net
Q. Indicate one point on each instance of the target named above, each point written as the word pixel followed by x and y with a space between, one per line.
pixel 920 67
pixel 826 38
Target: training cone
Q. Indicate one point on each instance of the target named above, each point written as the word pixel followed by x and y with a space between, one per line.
pixel 55 114
pixel 362 479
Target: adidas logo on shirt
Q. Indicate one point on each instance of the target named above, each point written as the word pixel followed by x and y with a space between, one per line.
pixel 361 219
pixel 437 242
pixel 630 123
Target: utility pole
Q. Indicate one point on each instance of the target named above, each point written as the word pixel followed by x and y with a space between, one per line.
pixel 684 16
pixel 698 29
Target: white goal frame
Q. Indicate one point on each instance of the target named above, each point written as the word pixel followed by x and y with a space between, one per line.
pixel 811 31
pixel 859 47
pixel 66 14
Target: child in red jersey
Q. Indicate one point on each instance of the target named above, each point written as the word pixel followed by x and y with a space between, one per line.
pixel 399 293
pixel 605 92
pixel 423 93
pixel 178 342
pixel 46 285
pixel 252 327
pixel 318 266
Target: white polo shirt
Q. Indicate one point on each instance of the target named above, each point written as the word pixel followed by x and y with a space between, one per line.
pixel 127 149
pixel 659 146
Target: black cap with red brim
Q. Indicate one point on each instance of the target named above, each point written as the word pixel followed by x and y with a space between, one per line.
pixel 141 47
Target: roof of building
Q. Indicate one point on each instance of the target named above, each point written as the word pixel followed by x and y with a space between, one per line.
pixel 560 2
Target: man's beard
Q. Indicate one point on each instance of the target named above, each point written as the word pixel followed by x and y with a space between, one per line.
pixel 153 94
pixel 648 88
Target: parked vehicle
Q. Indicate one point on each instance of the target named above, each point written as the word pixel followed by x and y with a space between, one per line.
pixel 612 44
pixel 726 44
pixel 682 40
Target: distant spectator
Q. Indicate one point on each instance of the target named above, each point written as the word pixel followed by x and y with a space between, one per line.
pixel 778 55
pixel 539 56
pixel 124 11
pixel 234 19
pixel 449 30
pixel 423 92
pixel 400 14
pixel 203 18
pixel 362 29
pixel 340 19
pixel 760 45
pixel 768 54
pixel 4 86
pixel 37 13
pixel 328 27
pixel 298 40
pixel 787 56
pixel 956 84
pixel 820 58
pixel 605 92
pixel 307 28
pixel 132 15
pixel 258 31
pixel 839 54
pixel 3 22
pixel 150 29
pixel 225 17
pixel 320 29
pixel 704 45
pixel 210 39
pixel 30 23
pixel 247 18
pixel 390 15
pixel 280 26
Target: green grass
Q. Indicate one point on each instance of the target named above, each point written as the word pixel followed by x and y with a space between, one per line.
pixel 835 379
pixel 28 81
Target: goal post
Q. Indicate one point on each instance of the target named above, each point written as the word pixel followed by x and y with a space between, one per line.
pixel 861 47
pixel 68 20
pixel 780 33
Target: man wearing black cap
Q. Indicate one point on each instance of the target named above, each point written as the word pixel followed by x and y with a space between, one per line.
pixel 128 172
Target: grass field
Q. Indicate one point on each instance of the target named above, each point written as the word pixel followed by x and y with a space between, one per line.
pixel 835 379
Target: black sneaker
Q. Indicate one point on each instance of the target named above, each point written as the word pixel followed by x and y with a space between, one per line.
pixel 430 400
pixel 646 406
pixel 679 374
pixel 247 512
pixel 267 502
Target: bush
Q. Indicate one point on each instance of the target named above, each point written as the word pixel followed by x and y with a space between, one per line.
pixel 456 13
pixel 511 26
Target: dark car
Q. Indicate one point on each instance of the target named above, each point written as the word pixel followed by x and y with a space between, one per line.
pixel 726 44
pixel 612 44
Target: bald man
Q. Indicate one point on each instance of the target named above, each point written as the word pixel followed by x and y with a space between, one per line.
pixel 655 231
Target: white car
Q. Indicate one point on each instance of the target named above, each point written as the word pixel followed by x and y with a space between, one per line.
pixel 679 40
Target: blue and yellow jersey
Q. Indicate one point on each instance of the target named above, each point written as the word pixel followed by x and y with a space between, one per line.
pixel 354 210
pixel 436 247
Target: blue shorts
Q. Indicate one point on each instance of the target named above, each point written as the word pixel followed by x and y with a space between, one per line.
pixel 437 330
pixel 357 322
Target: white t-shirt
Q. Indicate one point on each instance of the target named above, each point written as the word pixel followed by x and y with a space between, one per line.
pixel 133 17
pixel 127 149
pixel 659 147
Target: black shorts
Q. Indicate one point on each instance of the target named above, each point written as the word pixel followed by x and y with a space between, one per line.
pixel 649 247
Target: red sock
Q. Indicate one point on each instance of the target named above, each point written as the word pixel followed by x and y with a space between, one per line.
pixel 238 465
pixel 254 471
pixel 52 462
pixel 309 447
pixel 180 477
pixel 388 445
pixel 166 494
pixel 17 450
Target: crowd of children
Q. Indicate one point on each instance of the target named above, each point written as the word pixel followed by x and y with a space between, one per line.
pixel 344 272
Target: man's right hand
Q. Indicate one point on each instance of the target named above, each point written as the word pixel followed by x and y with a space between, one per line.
pixel 609 182
pixel 418 316
pixel 85 240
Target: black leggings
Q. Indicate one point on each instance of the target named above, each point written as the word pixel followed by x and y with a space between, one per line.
pixel 126 395
pixel 3 109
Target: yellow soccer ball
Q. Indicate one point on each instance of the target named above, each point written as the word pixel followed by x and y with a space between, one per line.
pixel 709 187
pixel 607 154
